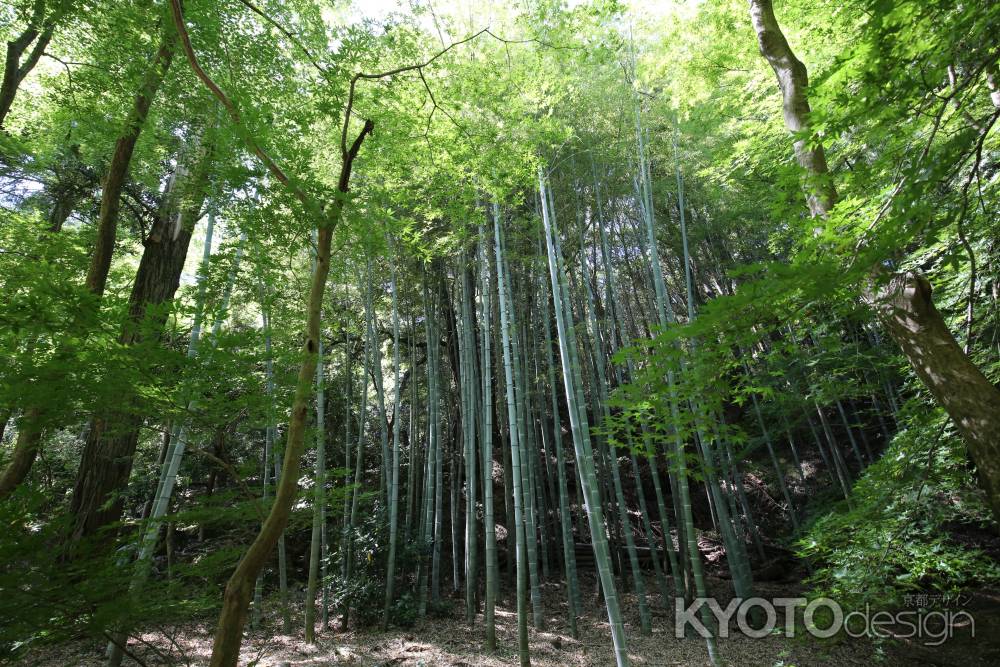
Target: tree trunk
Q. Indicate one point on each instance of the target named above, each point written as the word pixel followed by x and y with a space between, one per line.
pixel 393 473
pixel 565 516
pixel 114 181
pixel 38 31
pixel 319 501
pixel 427 531
pixel 793 80
pixel 902 303
pixel 601 380
pixel 514 432
pixel 468 354
pixel 486 441
pixel 348 565
pixel 413 460
pixel 573 384
pixel 35 416
pixel 906 310
pixel 525 446
pixel 112 438
pixel 239 588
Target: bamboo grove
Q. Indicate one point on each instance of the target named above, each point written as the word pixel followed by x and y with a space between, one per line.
pixel 315 320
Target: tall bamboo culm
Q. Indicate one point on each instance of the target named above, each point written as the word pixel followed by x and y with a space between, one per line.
pixel 486 441
pixel 394 470
pixel 515 449
pixel 573 383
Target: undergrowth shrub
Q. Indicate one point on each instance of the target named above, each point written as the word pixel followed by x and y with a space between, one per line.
pixel 898 535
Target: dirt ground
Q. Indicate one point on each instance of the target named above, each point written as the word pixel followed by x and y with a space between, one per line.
pixel 450 642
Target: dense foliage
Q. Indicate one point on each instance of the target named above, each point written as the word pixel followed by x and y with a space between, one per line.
pixel 300 274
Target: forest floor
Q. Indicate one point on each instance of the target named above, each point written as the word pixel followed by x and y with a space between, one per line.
pixel 449 642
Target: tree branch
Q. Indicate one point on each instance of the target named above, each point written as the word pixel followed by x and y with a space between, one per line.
pixel 291 37
pixel 419 67
pixel 234 114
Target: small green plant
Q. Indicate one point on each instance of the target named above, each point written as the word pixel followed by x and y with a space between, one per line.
pixel 897 539
pixel 364 591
